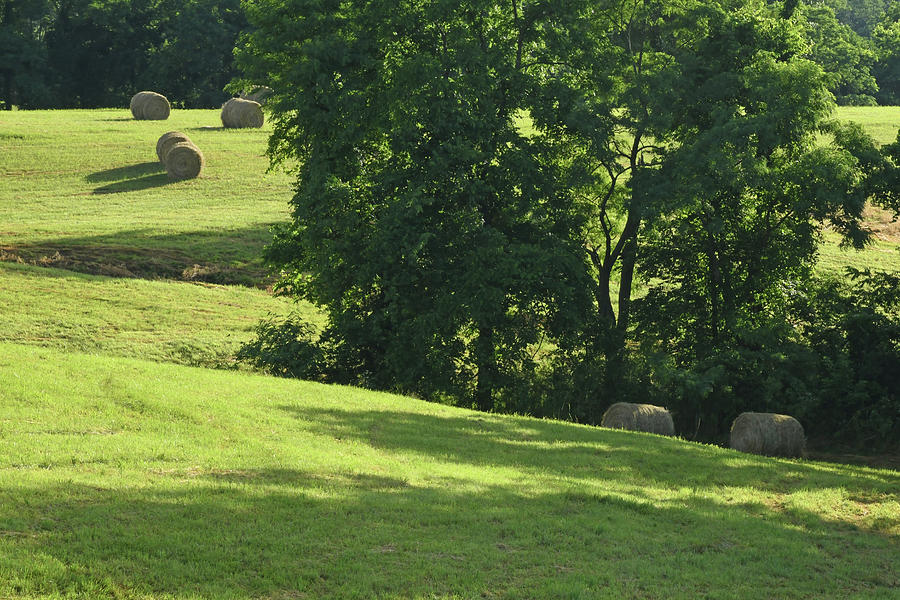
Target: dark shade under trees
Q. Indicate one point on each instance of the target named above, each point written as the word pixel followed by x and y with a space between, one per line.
pixel 86 54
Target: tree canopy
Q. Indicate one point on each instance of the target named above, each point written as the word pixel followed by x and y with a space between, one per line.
pixel 82 53
pixel 481 184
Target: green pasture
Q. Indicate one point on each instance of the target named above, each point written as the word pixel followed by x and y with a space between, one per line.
pixel 83 190
pixel 188 323
pixel 122 478
pixel 881 122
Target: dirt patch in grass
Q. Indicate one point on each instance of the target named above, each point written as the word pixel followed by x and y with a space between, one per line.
pixel 130 262
pixel 883 223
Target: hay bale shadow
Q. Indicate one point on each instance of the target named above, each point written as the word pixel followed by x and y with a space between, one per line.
pixel 206 128
pixel 134 185
pixel 129 172
pixel 131 178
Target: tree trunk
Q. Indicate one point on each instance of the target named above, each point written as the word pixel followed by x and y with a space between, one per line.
pixel 629 256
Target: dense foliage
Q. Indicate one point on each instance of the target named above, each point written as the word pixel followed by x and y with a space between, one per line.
pixel 86 53
pixel 481 185
pixel 83 53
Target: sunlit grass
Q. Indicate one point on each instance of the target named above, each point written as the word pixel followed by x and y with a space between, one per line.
pixel 188 323
pixel 130 479
pixel 83 189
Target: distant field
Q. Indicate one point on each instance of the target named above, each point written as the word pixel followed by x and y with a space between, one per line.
pixel 83 190
pixel 881 122
pixel 136 480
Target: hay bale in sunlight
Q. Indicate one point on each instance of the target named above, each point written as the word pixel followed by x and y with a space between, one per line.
pixel 240 113
pixel 150 106
pixel 166 141
pixel 184 161
pixel 639 417
pixel 769 434
pixel 135 100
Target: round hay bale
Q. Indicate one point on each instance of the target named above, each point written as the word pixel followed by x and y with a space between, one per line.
pixel 166 141
pixel 639 417
pixel 150 106
pixel 137 104
pixel 768 434
pixel 239 113
pixel 184 161
pixel 134 103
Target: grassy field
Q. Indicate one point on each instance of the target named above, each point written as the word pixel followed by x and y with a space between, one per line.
pixel 122 478
pixel 137 479
pixel 83 190
pixel 103 253
pixel 881 122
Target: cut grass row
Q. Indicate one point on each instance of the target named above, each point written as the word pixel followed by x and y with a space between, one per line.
pixel 178 322
pixel 130 479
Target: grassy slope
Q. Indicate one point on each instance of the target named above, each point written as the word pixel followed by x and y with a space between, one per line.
pixel 129 479
pixel 195 324
pixel 82 191
pixel 882 123
pixel 88 186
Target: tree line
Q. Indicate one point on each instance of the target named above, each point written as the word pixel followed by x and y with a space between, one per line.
pixel 88 53
pixel 544 208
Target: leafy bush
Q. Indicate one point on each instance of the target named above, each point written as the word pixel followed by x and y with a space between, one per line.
pixel 284 348
pixel 831 360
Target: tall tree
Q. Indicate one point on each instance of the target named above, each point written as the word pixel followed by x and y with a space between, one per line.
pixel 23 24
pixel 100 51
pixel 194 60
pixel 886 38
pixel 846 56
pixel 478 177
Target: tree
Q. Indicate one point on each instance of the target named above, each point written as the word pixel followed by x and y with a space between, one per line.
pixel 478 182
pixel 100 51
pixel 441 238
pixel 844 54
pixel 22 54
pixel 194 60
pixel 886 38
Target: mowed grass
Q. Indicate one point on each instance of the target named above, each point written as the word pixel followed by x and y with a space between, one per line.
pixel 83 189
pixel 194 324
pixel 122 478
pixel 881 122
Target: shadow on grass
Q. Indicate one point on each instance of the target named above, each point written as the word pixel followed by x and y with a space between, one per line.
pixel 134 185
pixel 214 256
pixel 487 440
pixel 290 533
pixel 130 172
pixel 132 178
